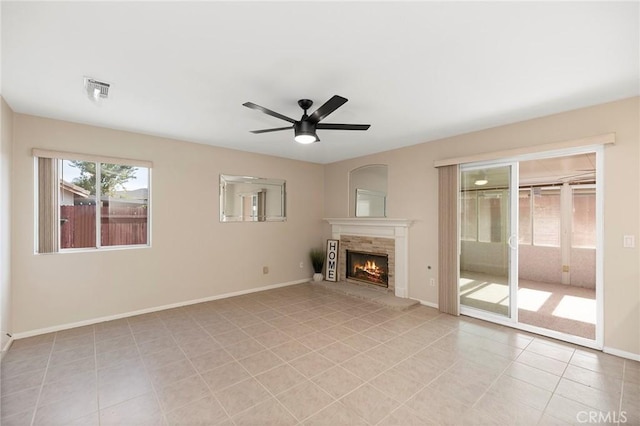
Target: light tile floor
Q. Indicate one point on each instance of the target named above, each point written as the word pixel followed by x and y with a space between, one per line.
pixel 301 355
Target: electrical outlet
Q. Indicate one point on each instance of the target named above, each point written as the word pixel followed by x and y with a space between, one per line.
pixel 265 269
pixel 301 265
pixel 629 241
pixel 432 282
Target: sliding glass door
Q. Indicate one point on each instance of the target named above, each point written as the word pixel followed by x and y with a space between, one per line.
pixel 530 243
pixel 488 240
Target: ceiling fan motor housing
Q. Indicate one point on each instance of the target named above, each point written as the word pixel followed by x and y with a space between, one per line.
pixel 305 104
pixel 304 128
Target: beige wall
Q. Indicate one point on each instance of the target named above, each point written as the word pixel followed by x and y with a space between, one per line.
pixel 413 186
pixel 6 130
pixel 192 256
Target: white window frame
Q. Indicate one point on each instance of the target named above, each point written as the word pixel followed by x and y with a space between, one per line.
pixel 573 187
pixel 533 215
pixel 61 156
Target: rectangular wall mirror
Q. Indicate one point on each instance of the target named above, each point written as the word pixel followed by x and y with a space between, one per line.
pixel 370 203
pixel 368 191
pixel 252 199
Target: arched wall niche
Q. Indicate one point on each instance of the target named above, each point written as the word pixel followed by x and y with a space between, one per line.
pixel 368 191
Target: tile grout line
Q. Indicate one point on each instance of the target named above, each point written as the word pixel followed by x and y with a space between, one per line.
pixel 44 378
pixel 555 388
pixel 307 379
pixel 198 371
pixel 153 385
pixel 426 385
pixel 199 374
pixel 624 373
pixel 287 363
pixel 367 382
pixel 500 375
pixel 493 382
pixel 155 393
pixel 95 358
pixel 400 361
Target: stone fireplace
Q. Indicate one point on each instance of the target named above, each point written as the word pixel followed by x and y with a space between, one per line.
pixel 385 237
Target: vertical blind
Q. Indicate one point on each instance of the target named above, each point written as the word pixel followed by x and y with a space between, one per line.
pixel 47 205
pixel 448 293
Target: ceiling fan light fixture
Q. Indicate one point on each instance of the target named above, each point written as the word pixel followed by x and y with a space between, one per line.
pixel 305 139
pixel 304 133
pixel 481 182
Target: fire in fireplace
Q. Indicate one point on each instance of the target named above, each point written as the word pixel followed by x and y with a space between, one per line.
pixel 371 268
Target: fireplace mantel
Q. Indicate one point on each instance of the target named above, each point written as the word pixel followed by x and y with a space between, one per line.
pixel 362 221
pixel 396 229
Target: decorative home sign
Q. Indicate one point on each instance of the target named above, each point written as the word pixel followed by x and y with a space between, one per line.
pixel 331 272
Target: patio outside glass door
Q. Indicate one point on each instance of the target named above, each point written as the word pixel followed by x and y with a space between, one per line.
pixel 488 240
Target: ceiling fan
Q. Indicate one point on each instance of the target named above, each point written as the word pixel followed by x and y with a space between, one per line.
pixel 305 128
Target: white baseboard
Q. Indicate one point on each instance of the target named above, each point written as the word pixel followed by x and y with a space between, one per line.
pixel 621 354
pixel 67 326
pixel 608 350
pixel 425 303
pixel 7 346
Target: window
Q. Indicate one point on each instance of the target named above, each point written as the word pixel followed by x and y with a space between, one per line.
pixel 541 210
pixel 539 216
pixel 583 234
pixel 539 220
pixel 546 217
pixel 524 222
pixel 490 210
pixel 481 215
pixel 469 213
pixel 86 203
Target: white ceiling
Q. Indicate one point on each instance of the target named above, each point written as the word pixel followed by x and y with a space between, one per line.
pixel 415 71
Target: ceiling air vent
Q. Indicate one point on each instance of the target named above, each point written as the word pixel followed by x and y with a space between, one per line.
pixel 96 90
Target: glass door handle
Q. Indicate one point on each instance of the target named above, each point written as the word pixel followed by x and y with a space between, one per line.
pixel 510 241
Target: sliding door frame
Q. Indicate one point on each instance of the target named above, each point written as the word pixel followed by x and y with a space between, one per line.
pixel 512 260
pixel 512 321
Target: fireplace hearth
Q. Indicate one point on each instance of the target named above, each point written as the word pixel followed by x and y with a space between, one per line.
pixel 370 268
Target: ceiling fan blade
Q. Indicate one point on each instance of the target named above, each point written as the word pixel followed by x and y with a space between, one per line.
pixel 327 108
pixel 335 126
pixel 271 130
pixel 268 112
